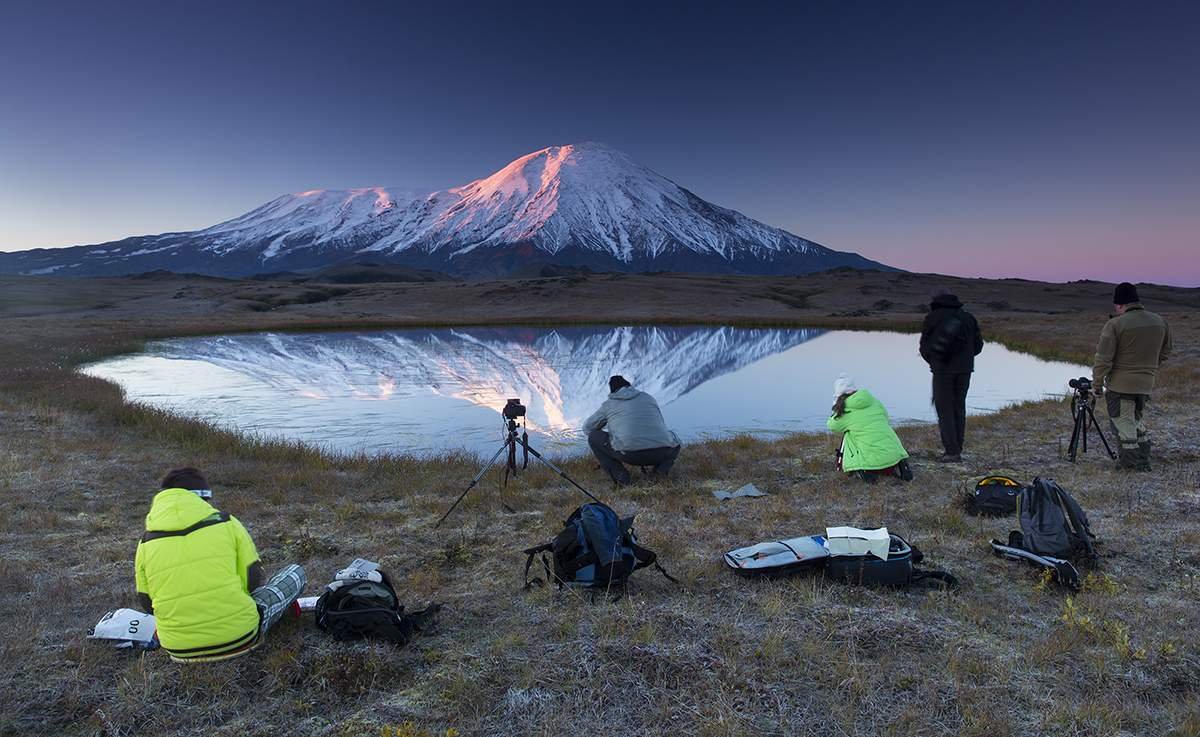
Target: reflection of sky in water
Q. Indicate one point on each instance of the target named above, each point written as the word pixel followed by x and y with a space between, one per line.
pixel 424 390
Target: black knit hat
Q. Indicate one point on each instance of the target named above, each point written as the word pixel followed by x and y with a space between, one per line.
pixel 184 478
pixel 617 383
pixel 1125 294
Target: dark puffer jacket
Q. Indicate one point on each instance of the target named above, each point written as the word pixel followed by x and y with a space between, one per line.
pixel 950 337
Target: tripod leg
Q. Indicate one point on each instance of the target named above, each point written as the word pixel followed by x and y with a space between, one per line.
pixel 560 472
pixel 1073 447
pixel 471 485
pixel 1100 432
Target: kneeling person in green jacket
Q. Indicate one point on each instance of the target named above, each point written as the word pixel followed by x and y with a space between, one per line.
pixel 870 447
pixel 198 571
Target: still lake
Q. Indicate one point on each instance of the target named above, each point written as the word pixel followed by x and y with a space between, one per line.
pixel 426 390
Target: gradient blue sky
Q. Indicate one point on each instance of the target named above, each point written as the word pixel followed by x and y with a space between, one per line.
pixel 1054 140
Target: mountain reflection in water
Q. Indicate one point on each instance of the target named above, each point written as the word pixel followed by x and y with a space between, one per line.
pixel 429 390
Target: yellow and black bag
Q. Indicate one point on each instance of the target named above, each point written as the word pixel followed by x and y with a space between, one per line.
pixel 995 496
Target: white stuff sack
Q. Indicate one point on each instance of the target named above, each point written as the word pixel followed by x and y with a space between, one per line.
pixel 360 570
pixel 125 627
pixel 855 541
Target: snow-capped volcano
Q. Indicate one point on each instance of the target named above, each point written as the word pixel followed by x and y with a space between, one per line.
pixel 580 205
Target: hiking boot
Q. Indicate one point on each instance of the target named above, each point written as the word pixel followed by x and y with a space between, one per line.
pixel 1143 456
pixel 947 458
pixel 1128 459
pixel 904 470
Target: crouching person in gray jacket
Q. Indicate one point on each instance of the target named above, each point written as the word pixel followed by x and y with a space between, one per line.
pixel 629 428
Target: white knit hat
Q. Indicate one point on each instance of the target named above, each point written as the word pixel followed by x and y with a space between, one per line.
pixel 843 385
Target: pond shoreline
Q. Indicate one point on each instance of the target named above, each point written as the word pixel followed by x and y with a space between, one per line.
pixel 331 389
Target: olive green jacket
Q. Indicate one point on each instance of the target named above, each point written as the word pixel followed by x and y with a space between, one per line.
pixel 1131 348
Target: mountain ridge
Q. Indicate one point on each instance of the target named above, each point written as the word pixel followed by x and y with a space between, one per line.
pixel 580 205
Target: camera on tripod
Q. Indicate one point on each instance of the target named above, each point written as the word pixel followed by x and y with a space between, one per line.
pixel 1084 417
pixel 514 437
pixel 513 409
pixel 1082 385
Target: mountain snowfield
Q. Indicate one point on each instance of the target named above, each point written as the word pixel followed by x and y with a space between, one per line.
pixel 582 205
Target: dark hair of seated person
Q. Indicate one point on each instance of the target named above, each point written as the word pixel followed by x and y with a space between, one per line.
pixel 184 478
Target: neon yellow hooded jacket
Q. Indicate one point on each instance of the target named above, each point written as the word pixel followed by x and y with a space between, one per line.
pixel 869 443
pixel 197 581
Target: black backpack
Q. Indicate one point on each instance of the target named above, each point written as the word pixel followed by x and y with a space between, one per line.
pixel 596 549
pixel 994 496
pixel 1052 522
pixel 951 331
pixel 355 610
pixel 1054 530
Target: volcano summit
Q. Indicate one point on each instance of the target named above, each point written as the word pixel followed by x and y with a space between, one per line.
pixel 583 205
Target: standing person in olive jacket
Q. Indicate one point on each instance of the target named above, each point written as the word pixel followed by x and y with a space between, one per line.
pixel 950 340
pixel 1132 346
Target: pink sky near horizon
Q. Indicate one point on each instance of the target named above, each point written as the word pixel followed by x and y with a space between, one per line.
pixel 1160 252
pixel 1149 248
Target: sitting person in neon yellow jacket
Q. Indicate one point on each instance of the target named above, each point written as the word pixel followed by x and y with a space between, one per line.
pixel 869 446
pixel 198 571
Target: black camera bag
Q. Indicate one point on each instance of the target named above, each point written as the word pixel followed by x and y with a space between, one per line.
pixel 898 570
pixel 356 610
pixel 995 496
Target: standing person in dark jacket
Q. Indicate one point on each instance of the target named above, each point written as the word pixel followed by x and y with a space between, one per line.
pixel 950 340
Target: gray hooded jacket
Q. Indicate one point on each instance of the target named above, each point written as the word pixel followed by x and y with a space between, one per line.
pixel 634 421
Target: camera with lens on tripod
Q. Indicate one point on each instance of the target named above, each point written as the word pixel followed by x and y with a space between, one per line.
pixel 1083 403
pixel 515 436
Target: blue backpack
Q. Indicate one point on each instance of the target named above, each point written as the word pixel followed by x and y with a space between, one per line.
pixel 596 549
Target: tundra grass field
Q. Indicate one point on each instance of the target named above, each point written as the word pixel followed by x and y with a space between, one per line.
pixel 1008 653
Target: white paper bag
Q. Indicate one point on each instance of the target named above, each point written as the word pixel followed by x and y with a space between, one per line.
pixel 126 627
pixel 854 541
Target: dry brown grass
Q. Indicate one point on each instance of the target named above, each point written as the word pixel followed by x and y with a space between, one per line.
pixel 716 655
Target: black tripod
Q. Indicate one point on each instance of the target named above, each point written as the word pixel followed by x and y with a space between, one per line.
pixel 1082 405
pixel 514 436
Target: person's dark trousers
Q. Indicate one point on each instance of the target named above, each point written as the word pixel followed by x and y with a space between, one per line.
pixel 612 460
pixel 950 401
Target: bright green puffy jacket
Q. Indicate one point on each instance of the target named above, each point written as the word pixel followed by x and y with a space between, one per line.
pixel 197 581
pixel 868 443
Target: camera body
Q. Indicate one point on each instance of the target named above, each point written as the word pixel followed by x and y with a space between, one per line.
pixel 513 409
pixel 1082 385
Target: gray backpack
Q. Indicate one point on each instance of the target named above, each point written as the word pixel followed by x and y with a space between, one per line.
pixel 1052 522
